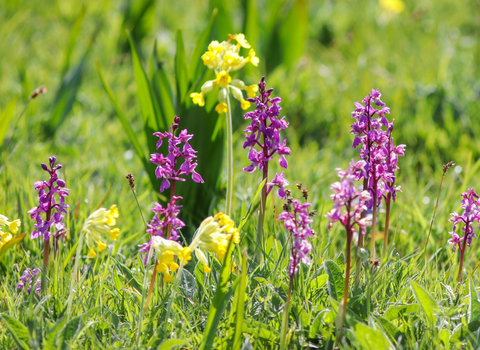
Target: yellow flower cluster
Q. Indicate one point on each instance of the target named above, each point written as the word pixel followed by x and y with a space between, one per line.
pixel 99 223
pixel 13 225
pixel 165 252
pixel 224 58
pixel 214 235
pixel 395 6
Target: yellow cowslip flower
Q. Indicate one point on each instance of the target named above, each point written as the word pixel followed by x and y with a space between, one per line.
pixel 13 225
pixel 221 108
pixel 395 6
pixel 165 251
pixel 214 235
pixel 97 224
pixel 224 58
pixel 198 99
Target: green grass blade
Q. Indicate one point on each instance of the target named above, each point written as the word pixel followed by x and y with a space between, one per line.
pixel 222 294
pixel 181 69
pixel 242 287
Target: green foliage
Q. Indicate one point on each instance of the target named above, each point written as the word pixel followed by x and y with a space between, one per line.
pixel 424 60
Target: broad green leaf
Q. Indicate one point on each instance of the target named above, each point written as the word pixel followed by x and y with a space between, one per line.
pixel 223 23
pixel 259 329
pixel 162 92
pixel 18 331
pixel 257 193
pixel 52 334
pixel 196 66
pixel 150 120
pixel 294 32
pixel 242 287
pixel 72 39
pixel 391 330
pixel 128 129
pixel 222 294
pixel 5 117
pixel 426 301
pixel 171 344
pixel 371 339
pixel 336 282
pixel 398 311
pixel 10 244
pixel 66 95
pixel 474 304
pixel 181 69
pixel 250 29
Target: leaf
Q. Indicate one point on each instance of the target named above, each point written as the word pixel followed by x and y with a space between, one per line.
pixel 72 39
pixel 257 193
pixel 66 96
pixel 426 301
pixel 294 32
pixel 195 68
pixel 163 94
pixel 18 331
pixel 189 284
pixel 181 69
pixel 474 304
pixel 150 120
pixel 237 340
pixel 398 311
pixel 222 294
pixel 223 23
pixel 335 283
pixel 131 280
pixel 51 335
pixel 5 118
pixel 126 126
pixel 171 344
pixel 392 331
pixel 370 338
pixel 10 244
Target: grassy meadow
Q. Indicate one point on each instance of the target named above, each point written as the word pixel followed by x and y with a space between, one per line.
pixel 116 71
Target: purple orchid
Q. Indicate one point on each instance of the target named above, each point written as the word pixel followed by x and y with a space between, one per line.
pixel 471 214
pixel 297 220
pixel 27 281
pixel 348 201
pixel 264 131
pixel 280 182
pixel 167 166
pixel 51 195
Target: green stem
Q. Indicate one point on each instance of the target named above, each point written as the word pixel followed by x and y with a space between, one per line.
pixel 286 312
pixel 229 198
pixel 358 267
pixel 387 223
pixel 462 255
pixel 261 218
pixel 374 224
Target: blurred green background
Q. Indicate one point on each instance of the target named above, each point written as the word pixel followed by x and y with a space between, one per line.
pixel 319 56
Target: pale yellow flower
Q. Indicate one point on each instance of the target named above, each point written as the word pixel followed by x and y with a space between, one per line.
pixel 13 225
pixel 225 58
pixel 97 224
pixel 395 6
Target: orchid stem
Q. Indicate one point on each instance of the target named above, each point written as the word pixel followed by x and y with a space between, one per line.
pixel 462 255
pixel 286 313
pixel 387 223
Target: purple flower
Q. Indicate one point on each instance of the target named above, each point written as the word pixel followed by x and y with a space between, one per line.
pixel 297 220
pixel 167 167
pixel 377 148
pixel 51 196
pixel 471 214
pixel 280 182
pixel 27 281
pixel 348 201
pixel 264 131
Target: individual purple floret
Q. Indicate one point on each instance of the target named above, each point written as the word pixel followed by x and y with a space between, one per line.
pixel 348 201
pixel 52 206
pixel 296 219
pixel 264 131
pixel 470 205
pixel 280 182
pixel 167 166
pixel 27 281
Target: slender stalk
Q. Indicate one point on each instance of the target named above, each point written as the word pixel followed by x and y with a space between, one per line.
pixel 374 220
pixel 286 313
pixel 434 213
pixel 261 219
pixel 358 267
pixel 462 255
pixel 387 223
pixel 229 198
